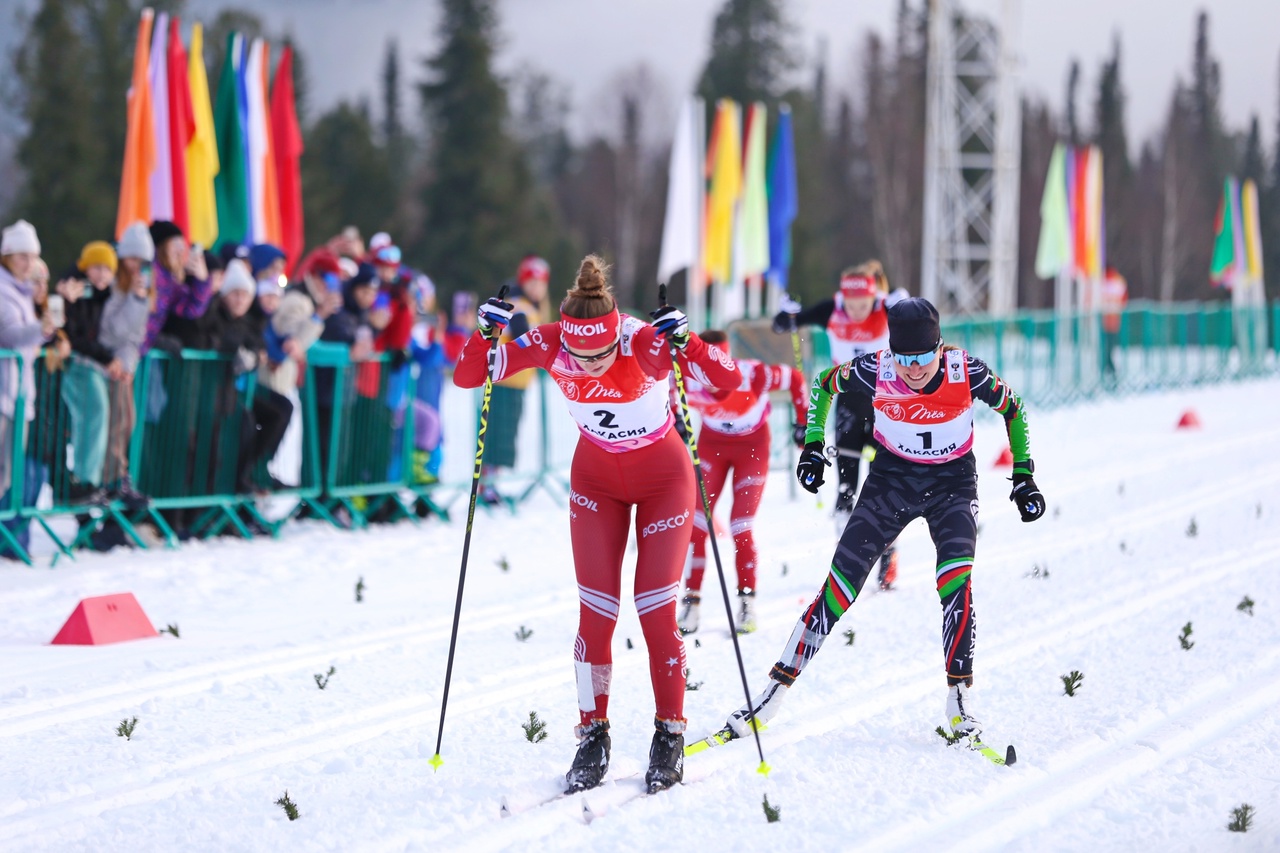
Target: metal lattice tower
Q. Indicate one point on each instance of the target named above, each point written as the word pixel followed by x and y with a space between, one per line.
pixel 972 159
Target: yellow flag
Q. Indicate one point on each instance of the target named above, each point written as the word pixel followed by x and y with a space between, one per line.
pixel 202 151
pixel 725 161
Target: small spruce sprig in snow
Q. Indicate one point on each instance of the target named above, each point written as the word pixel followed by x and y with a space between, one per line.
pixel 1245 605
pixel 322 679
pixel 1192 530
pixel 1185 637
pixel 289 806
pixel 1071 682
pixel 691 685
pixel 1241 818
pixel 772 814
pixel 1038 571
pixel 503 564
pixel 171 628
pixel 360 590
pixel 535 731
pixel 126 727
pixel 524 634
pixel 849 637
pixel 949 737
pixel 784 570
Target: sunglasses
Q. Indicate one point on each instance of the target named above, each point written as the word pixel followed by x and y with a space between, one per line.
pixel 592 359
pixel 389 254
pixel 920 358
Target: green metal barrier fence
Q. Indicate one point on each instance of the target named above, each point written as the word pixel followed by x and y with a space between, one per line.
pixel 11 446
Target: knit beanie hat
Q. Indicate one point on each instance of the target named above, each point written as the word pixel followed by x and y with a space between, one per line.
pixel 97 253
pixel 238 277
pixel 163 230
pixel 136 242
pixel 20 237
pixel 264 255
pixel 913 326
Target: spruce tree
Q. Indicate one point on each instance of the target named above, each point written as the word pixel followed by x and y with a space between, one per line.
pixel 346 176
pixel 1112 140
pixel 393 136
pixel 751 53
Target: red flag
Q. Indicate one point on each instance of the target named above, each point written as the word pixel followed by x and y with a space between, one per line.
pixel 182 126
pixel 286 142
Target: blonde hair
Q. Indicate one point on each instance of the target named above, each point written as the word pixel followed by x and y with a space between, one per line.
pixel 591 295
pixel 871 269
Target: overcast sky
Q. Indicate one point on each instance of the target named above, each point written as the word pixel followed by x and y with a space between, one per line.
pixel 583 42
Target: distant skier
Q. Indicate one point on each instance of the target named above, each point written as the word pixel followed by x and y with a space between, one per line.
pixel 612 370
pixel 735 435
pixel 857 324
pixel 923 395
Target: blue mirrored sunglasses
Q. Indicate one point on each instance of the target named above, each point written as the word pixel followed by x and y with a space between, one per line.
pixel 389 254
pixel 921 358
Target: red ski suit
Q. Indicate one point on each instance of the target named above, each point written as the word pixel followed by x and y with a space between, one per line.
pixel 628 456
pixel 735 436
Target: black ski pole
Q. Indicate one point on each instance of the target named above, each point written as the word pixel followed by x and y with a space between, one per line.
pixel 692 444
pixel 436 760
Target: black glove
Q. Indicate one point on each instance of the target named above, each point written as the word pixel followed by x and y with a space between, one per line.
pixel 785 320
pixel 1026 496
pixel 396 359
pixel 493 317
pixel 672 324
pixel 167 343
pixel 798 434
pixel 809 470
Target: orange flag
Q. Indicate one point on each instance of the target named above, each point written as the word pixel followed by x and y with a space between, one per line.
pixel 270 186
pixel 140 142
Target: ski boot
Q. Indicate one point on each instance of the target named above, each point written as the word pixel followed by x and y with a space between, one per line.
pixel 666 756
pixel 959 712
pixel 763 707
pixel 592 760
pixel 888 568
pixel 746 616
pixel 687 618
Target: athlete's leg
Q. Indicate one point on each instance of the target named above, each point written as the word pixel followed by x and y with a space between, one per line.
pixel 598 522
pixel 661 482
pixel 953 525
pixel 750 470
pixel 714 455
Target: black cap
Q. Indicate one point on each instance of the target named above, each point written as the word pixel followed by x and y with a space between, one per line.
pixel 913 326
pixel 365 275
pixel 162 230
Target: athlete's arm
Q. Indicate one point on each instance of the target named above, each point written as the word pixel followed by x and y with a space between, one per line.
pixel 992 390
pixel 854 377
pixel 536 348
pixel 779 377
pixel 709 365
pixel 817 314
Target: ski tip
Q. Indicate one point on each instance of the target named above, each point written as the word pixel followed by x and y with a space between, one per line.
pixel 436 761
pixel 763 769
pixel 504 810
pixel 1010 756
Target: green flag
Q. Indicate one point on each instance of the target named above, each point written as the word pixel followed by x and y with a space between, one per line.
pixel 1053 251
pixel 230 186
pixel 1223 266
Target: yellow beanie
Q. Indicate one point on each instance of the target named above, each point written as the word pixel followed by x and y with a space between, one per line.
pixel 97 252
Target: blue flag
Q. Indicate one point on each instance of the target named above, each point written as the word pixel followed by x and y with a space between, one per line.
pixel 783 201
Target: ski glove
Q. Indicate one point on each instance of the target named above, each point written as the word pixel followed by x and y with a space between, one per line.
pixel 672 324
pixel 809 470
pixel 785 320
pixel 1026 497
pixel 798 434
pixel 493 317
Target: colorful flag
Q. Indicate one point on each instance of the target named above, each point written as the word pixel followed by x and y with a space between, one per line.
pixel 1053 251
pixel 784 204
pixel 724 163
pixel 181 127
pixel 139 146
pixel 680 228
pixel 202 150
pixel 259 146
pixel 753 213
pixel 1224 266
pixel 1252 231
pixel 162 175
pixel 270 186
pixel 287 147
pixel 1093 236
pixel 231 184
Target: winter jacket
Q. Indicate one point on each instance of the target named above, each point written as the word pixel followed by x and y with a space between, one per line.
pixel 84 320
pixel 124 325
pixel 295 320
pixel 19 330
pixel 188 298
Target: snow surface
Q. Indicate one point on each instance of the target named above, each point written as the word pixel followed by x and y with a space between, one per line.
pixel 1153 752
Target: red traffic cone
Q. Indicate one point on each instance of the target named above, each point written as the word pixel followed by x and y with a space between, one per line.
pixel 1004 460
pixel 105 619
pixel 1189 420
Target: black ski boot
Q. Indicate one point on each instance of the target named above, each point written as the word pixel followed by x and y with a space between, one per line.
pixel 666 757
pixel 592 760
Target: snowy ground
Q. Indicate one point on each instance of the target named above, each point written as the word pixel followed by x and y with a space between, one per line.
pixel 1153 752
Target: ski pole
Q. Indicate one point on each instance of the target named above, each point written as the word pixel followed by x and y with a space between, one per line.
pixel 868 453
pixel 798 356
pixel 692 444
pixel 436 760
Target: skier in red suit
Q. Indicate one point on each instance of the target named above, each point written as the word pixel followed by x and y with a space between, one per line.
pixel 613 372
pixel 735 437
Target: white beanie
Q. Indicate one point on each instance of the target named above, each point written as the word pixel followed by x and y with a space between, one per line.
pixel 20 237
pixel 136 242
pixel 238 277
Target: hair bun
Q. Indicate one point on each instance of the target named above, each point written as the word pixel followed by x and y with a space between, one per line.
pixel 592 275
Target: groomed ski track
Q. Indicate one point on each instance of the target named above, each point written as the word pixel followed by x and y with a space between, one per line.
pixel 1157 747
